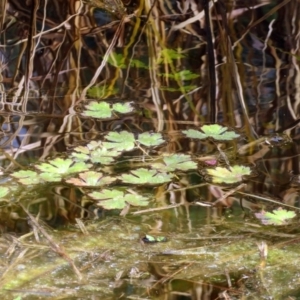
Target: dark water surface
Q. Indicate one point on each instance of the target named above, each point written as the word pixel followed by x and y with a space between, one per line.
pixel 161 62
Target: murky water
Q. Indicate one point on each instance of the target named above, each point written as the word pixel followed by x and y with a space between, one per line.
pixel 157 62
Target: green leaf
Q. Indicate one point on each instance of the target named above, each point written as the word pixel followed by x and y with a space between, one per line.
pixel 146 177
pixel 63 166
pixel 115 199
pixel 50 177
pixel 104 156
pixel 100 110
pixel 27 177
pixel 168 55
pixel 138 64
pixel 3 191
pixel 82 153
pixel 175 162
pixel 123 108
pixel 96 153
pixel 117 60
pixel 182 75
pixel 214 131
pixel 277 217
pixel 101 92
pixel 149 139
pixel 103 110
pixel 185 88
pixel 78 155
pixel 235 174
pixel 31 177
pixel 119 141
pixel 91 178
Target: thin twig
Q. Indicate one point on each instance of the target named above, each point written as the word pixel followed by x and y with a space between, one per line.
pixel 54 246
pixel 222 198
pixel 268 199
pixel 156 209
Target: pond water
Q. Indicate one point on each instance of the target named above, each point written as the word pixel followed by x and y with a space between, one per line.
pixel 148 151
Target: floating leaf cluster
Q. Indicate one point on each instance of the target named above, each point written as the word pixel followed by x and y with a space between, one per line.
pixel 125 141
pixel 116 199
pixel 95 152
pixel 92 165
pixel 53 171
pixel 105 110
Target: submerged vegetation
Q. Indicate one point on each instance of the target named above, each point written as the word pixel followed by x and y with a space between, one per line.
pixel 149 149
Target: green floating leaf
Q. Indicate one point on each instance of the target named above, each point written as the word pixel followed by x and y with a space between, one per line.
pixel 123 108
pixel 3 191
pixel 120 141
pixel 235 174
pixel 115 199
pixel 27 177
pixel 146 177
pixel 91 178
pixel 82 153
pixel 149 139
pixel 214 131
pixel 50 177
pixel 79 154
pixel 31 177
pixel 63 166
pixel 103 110
pixel 104 156
pixel 277 217
pixel 100 110
pixel 96 153
pixel 176 162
